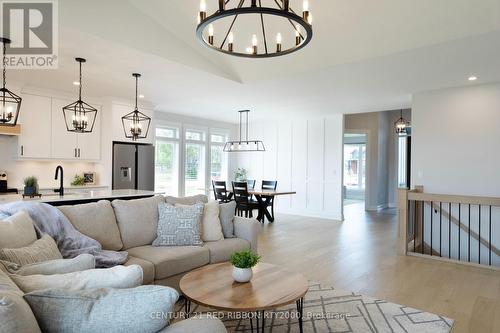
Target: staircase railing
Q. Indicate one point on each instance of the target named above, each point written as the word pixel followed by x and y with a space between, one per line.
pixel 464 229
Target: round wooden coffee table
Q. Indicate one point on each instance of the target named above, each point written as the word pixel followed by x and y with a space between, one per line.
pixel 270 288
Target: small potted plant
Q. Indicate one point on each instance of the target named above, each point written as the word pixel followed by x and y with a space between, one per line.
pixel 240 175
pixel 30 186
pixel 242 262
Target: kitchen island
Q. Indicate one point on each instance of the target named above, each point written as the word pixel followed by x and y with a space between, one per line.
pixel 78 197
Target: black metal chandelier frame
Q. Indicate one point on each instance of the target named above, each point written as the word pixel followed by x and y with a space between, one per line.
pixel 284 10
pixel 81 112
pixel 8 117
pixel 246 145
pixel 402 126
pixel 136 118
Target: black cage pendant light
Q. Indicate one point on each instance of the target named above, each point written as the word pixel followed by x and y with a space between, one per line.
pixel 79 116
pixel 244 145
pixel 402 125
pixel 10 103
pixel 136 124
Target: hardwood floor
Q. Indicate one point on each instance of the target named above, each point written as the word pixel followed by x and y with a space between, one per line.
pixel 360 255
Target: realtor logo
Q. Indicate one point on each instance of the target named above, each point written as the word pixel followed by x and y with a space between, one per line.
pixel 32 27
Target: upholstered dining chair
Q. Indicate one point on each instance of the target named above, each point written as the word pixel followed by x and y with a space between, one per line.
pixel 270 185
pixel 220 191
pixel 243 202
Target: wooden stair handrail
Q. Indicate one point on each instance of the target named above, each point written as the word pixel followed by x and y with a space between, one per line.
pixel 473 200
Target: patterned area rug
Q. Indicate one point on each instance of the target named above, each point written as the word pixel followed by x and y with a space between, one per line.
pixel 331 310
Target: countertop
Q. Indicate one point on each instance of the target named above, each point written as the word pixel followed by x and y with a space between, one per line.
pixel 78 196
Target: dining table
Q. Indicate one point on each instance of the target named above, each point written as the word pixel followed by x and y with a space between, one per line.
pixel 264 197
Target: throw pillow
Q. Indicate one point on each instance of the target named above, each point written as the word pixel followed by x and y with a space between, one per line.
pixel 137 310
pixel 17 231
pixel 40 250
pixel 226 216
pixel 115 277
pixel 179 226
pixel 57 266
pixel 211 229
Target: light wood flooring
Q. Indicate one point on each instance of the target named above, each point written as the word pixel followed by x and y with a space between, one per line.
pixel 360 255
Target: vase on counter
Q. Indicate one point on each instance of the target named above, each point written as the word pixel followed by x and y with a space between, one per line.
pixel 30 191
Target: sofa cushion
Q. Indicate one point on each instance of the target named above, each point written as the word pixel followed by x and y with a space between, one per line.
pixel 17 230
pixel 221 251
pixel 172 260
pixel 148 269
pixel 40 250
pixel 137 220
pixel 179 225
pixel 96 220
pixel 115 277
pixel 188 201
pixel 15 313
pixel 58 266
pixel 137 310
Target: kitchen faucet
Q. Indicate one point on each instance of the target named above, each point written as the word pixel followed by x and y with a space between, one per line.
pixel 61 186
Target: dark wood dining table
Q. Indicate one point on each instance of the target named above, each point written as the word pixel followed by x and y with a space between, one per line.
pixel 264 197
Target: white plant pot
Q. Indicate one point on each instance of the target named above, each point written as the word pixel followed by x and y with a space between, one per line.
pixel 242 274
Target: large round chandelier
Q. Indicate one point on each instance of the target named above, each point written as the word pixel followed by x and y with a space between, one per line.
pixel 277 27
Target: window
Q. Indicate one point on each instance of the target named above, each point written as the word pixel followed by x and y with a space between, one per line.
pixel 403 162
pixel 195 169
pixel 167 160
pixel 218 158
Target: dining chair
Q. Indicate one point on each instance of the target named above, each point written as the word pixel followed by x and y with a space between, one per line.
pixel 251 183
pixel 220 191
pixel 270 185
pixel 243 202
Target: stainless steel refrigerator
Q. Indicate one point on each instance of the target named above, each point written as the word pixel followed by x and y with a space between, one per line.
pixel 133 166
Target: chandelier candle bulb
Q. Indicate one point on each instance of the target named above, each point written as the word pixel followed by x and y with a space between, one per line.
pixel 230 40
pixel 211 34
pixel 254 44
pixel 297 35
pixel 305 12
pixel 203 11
pixel 278 42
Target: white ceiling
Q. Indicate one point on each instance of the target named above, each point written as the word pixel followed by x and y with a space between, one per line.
pixel 365 56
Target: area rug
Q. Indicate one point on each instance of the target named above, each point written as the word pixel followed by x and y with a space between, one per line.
pixel 329 310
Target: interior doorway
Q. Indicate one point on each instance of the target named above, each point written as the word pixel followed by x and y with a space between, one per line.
pixel 355 152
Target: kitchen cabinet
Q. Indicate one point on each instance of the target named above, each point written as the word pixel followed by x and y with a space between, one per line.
pixel 35 119
pixel 70 145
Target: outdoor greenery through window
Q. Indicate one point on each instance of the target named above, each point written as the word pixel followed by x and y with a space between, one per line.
pixel 218 158
pixel 195 162
pixel 167 161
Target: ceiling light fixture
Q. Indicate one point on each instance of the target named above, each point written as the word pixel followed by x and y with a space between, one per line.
pixel 79 115
pixel 301 27
pixel 135 122
pixel 10 103
pixel 244 145
pixel 402 125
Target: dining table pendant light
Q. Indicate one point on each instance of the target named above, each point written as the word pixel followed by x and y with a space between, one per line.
pixel 136 124
pixel 402 125
pixel 79 116
pixel 245 145
pixel 10 103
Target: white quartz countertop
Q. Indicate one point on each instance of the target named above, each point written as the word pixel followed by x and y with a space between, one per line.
pixel 78 196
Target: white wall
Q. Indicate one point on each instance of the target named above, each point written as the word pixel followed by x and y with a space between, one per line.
pixel 455 140
pixel 304 155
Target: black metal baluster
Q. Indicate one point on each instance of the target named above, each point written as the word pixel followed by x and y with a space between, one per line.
pixel 489 241
pixel 479 238
pixel 440 227
pixel 449 230
pixel 432 229
pixel 468 247
pixel 423 220
pixel 459 227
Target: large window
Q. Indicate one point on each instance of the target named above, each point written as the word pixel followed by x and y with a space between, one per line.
pixel 167 160
pixel 195 169
pixel 218 158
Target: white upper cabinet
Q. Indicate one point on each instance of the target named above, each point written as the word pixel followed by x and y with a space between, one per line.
pixel 35 119
pixel 64 143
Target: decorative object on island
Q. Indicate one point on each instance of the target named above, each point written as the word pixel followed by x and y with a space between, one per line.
pixel 402 125
pixel 244 145
pixel 30 187
pixel 240 174
pixel 89 178
pixel 78 181
pixel 135 122
pixel 279 15
pixel 10 103
pixel 242 262
pixel 79 116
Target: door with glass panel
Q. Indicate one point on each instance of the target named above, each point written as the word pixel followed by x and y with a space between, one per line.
pixel 167 161
pixel 354 171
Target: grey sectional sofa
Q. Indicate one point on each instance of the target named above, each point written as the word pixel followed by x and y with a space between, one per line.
pixel 130 226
